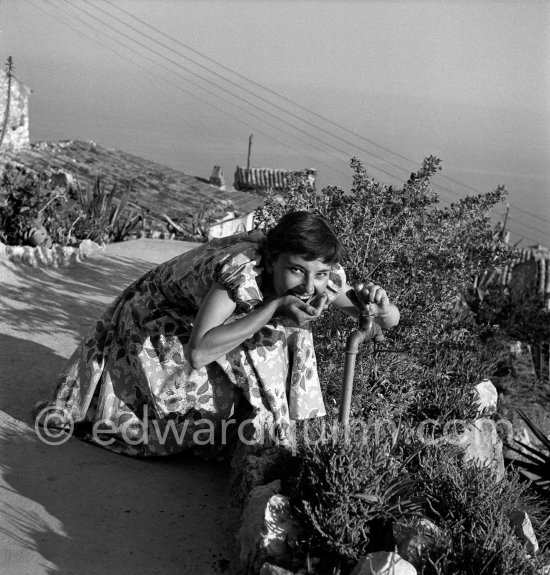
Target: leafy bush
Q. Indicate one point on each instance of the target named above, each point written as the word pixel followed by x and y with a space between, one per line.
pixel 473 513
pixel 65 216
pixel 351 488
pixel 426 257
pixel 101 220
pixel 352 494
pixel 30 203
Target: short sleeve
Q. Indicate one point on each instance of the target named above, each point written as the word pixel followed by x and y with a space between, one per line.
pixel 238 274
pixel 336 281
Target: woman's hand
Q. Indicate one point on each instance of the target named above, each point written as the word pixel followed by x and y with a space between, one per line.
pixel 372 296
pixel 301 312
pixel 378 304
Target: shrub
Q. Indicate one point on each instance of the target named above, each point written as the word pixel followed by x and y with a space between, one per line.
pixel 65 216
pixel 30 203
pixel 473 513
pixel 101 219
pixel 426 257
pixel 352 486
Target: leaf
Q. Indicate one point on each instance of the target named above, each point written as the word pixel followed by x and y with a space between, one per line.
pixel 537 432
pixel 367 497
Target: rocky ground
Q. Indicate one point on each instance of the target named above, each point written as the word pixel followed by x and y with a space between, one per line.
pixel 155 189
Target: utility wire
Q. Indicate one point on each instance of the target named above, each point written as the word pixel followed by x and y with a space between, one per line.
pixel 298 105
pixel 347 154
pixel 67 22
pixel 323 150
pixel 231 103
pixel 177 64
pixel 255 128
pixel 280 108
pixel 295 116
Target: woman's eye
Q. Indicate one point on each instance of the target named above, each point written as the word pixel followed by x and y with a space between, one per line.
pixel 322 275
pixel 296 270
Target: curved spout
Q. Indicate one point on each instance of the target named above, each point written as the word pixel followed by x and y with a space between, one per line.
pixel 366 331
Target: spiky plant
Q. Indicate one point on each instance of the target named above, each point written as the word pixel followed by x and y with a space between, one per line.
pixel 537 466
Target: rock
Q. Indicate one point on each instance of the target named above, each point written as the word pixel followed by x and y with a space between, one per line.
pixel 486 397
pixel 278 526
pixel 270 569
pixel 60 179
pixel 54 256
pixel 38 236
pixel 523 529
pixel 412 542
pixel 265 525
pixel 481 444
pixel 249 467
pixel 383 563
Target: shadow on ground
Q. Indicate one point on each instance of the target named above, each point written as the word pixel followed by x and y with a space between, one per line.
pixel 28 373
pixel 76 508
pixel 45 300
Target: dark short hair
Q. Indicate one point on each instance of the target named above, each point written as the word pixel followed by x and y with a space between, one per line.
pixel 305 234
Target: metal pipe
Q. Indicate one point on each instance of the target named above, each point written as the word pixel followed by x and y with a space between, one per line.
pixel 366 331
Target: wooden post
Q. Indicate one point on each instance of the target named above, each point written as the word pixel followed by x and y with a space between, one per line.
pixel 248 160
pixel 249 148
pixel 505 221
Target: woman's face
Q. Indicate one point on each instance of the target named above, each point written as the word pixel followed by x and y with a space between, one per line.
pixel 294 275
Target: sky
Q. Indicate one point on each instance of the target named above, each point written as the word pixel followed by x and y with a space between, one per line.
pixel 186 82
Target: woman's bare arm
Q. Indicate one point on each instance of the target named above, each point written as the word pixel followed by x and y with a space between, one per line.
pixel 211 337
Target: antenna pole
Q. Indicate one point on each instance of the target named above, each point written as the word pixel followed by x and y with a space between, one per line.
pixel 248 160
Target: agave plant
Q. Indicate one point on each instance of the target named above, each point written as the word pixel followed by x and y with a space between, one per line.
pixel 536 465
pixel 101 218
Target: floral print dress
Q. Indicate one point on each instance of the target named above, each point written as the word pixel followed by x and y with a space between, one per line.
pixel 130 388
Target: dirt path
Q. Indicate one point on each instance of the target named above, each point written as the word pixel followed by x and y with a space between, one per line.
pixel 76 508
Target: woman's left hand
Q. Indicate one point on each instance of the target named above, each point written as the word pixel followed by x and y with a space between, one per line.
pixel 369 297
pixel 372 296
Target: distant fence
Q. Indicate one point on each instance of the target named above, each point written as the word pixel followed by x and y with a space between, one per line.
pixel 530 271
pixel 265 179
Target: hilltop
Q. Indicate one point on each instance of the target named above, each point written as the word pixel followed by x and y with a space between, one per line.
pixel 156 189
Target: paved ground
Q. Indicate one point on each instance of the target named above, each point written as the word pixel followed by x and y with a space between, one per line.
pixel 76 508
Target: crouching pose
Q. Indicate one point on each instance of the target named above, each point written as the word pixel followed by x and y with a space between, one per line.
pixel 217 332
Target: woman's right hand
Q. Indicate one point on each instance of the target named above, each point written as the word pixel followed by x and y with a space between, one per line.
pixel 300 312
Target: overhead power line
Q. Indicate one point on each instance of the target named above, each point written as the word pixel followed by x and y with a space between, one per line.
pixel 299 106
pixel 222 110
pixel 246 101
pixel 348 153
pixel 187 80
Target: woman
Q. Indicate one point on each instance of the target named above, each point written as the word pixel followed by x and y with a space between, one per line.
pixel 217 333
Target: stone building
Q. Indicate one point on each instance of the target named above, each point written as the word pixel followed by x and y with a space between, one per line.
pixel 16 134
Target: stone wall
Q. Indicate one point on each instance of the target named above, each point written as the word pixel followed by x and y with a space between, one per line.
pixel 17 131
pixel 231 225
